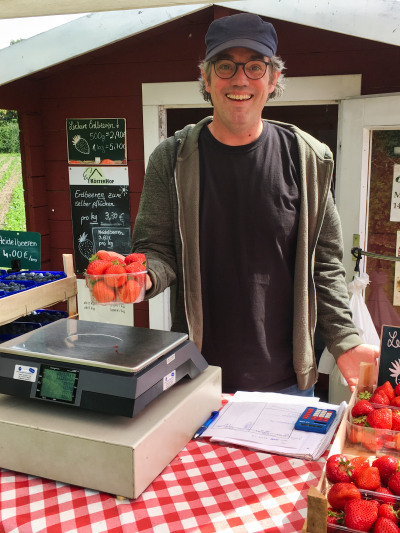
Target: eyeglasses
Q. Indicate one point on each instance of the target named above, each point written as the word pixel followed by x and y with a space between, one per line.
pixel 226 69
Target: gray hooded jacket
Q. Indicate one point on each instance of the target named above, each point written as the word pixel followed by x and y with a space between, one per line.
pixel 167 231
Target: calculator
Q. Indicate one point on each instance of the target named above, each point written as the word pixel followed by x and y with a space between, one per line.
pixel 316 420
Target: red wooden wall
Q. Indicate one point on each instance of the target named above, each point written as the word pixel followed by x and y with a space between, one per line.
pixel 107 83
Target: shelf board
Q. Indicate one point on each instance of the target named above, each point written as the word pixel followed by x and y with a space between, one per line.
pixel 24 302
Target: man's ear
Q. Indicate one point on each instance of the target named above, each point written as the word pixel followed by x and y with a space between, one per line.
pixel 272 85
pixel 206 84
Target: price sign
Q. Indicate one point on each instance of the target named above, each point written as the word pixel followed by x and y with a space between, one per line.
pixel 100 211
pixel 96 140
pixel 389 361
pixel 20 245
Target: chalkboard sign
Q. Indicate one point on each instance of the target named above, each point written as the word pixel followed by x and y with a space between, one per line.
pixel 389 363
pixel 96 141
pixel 100 211
pixel 23 246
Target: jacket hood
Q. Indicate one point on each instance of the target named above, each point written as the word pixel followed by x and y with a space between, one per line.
pixel 187 138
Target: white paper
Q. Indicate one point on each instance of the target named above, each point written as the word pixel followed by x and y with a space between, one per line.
pixel 395 204
pixel 265 421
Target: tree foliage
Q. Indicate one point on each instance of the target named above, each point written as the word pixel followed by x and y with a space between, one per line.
pixel 9 131
pixel 8 115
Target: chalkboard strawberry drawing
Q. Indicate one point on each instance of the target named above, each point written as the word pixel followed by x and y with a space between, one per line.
pixel 395 370
pixel 85 246
pixel 81 144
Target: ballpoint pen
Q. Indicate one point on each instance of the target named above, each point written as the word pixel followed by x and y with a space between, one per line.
pixel 206 424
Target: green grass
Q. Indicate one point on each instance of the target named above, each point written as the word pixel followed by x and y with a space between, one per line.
pixel 15 219
pixel 13 160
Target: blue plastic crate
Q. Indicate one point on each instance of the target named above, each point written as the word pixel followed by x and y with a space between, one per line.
pixel 26 284
pixel 39 276
pixel 14 329
pixel 43 316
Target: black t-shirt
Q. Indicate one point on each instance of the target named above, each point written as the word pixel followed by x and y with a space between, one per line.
pixel 249 208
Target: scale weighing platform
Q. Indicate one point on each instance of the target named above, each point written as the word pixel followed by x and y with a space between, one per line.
pixel 107 368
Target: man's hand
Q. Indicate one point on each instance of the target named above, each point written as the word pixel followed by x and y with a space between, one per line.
pixel 149 283
pixel 349 362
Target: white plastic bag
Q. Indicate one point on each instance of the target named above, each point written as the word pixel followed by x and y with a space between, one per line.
pixel 362 320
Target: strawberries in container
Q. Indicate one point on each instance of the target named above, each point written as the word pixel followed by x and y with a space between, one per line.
pixel 374 421
pixel 369 499
pixel 113 278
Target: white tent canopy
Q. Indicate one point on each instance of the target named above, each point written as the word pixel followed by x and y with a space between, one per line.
pixel 371 19
pixel 377 20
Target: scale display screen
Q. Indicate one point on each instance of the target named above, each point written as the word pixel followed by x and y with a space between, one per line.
pixel 57 383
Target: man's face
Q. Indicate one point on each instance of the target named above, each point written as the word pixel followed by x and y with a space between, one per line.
pixel 239 101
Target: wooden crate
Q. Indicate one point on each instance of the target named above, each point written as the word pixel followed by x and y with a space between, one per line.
pixel 317 504
pixel 22 303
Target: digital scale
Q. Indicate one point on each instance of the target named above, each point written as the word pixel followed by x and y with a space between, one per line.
pixel 108 368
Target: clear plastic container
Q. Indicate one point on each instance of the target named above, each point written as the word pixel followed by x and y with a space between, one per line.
pixel 375 441
pixel 111 289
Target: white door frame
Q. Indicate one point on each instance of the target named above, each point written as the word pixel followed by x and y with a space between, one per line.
pixel 158 97
pixel 357 118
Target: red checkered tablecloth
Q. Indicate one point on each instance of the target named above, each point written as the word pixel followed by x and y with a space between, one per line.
pixel 207 488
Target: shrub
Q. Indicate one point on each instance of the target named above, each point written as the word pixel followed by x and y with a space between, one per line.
pixel 9 137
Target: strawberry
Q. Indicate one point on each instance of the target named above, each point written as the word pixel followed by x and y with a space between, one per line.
pixel 388 511
pixel 130 291
pixel 362 407
pixel 397 390
pixel 340 493
pixel 368 478
pixel 396 401
pixel 380 418
pixel 387 466
pixel 385 495
pixel 364 395
pixel 394 483
pixel 337 469
pixel 356 431
pixel 97 267
pixel 388 389
pixel 102 292
pixel 380 398
pixel 115 275
pixel 395 419
pixel 389 440
pixel 372 439
pixel 101 254
pixel 360 514
pixel 334 458
pixel 357 464
pixel 385 525
pixel 135 258
pixel 116 257
pixel 135 267
pixel 336 518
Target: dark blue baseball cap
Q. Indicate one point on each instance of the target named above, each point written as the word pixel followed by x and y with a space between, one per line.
pixel 244 30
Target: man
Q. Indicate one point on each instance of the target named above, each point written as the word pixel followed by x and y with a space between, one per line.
pixel 237 216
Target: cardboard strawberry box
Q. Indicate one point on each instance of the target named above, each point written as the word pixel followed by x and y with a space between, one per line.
pixel 382 442
pixel 110 289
